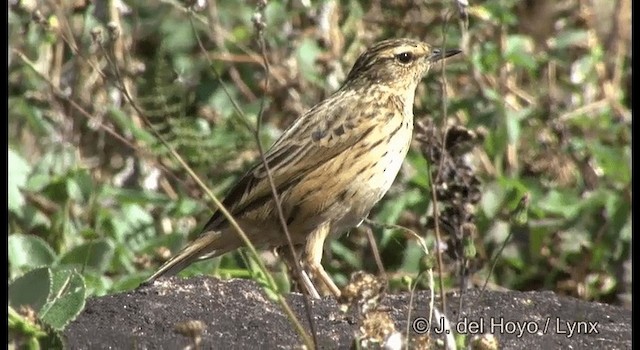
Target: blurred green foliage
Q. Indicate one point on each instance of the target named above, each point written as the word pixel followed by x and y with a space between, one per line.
pixel 96 202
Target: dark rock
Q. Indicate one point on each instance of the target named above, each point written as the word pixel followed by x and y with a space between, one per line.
pixel 238 314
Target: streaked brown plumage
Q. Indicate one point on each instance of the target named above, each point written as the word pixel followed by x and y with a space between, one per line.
pixel 330 167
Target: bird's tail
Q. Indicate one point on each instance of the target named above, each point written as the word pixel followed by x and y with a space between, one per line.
pixel 201 248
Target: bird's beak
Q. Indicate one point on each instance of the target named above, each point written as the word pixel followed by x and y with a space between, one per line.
pixel 437 55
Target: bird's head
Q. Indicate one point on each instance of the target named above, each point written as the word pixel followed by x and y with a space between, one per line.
pixel 397 63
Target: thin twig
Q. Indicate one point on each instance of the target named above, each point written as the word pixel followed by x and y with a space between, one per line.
pixel 376 253
pixel 122 88
pixel 223 210
pixel 61 95
pixel 412 292
pixel 434 196
pixel 235 105
pixel 214 28
pixel 515 217
pixel 412 234
pixel 228 37
pixel 306 339
pixel 276 197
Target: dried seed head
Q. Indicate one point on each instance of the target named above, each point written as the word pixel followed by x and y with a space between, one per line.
pixel 363 291
pixel 37 17
pixel 114 30
pixel 96 35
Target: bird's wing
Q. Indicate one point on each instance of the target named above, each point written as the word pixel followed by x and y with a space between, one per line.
pixel 303 147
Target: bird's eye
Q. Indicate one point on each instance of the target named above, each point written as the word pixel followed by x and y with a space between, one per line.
pixel 404 57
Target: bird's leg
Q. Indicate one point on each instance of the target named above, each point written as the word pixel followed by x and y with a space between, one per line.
pixel 313 257
pixel 302 280
pixel 308 285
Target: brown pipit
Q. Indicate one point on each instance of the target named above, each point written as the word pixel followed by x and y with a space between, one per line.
pixel 330 167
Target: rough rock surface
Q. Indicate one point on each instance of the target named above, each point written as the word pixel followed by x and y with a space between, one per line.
pixel 238 314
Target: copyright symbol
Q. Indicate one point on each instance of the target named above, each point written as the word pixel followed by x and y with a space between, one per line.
pixel 420 325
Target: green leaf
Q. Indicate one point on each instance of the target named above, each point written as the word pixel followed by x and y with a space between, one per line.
pixel 392 209
pixel 30 289
pixel 126 196
pixel 29 251
pixel 24 326
pixel 23 108
pixel 307 55
pixel 35 219
pixel 583 70
pixel 619 211
pixel 519 51
pixel 567 38
pixel 137 215
pixel 345 254
pixel 66 300
pixel 625 232
pixel 96 255
pixel 80 186
pixel 497 141
pixel 186 206
pixel 412 256
pixel 492 199
pixel 125 121
pixel 537 237
pixel 501 11
pixel 574 240
pixel 354 13
pixel 276 14
pixel 486 59
pixel 128 282
pixel 420 178
pixel 57 190
pixel 519 215
pixel 38 181
pixel 220 102
pixel 513 124
pixel 561 203
pixel 18 170
pixel 176 38
pixel 614 161
pixel 57 161
pixel 73 190
pixel 133 220
pixel 98 284
pixel 173 241
pixel 498 232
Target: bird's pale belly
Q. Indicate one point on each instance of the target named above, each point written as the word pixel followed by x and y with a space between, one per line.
pixel 360 179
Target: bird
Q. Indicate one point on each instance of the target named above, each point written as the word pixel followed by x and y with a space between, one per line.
pixel 329 167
